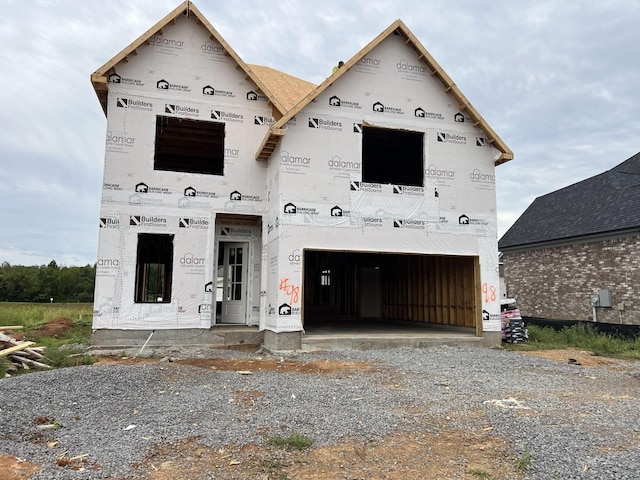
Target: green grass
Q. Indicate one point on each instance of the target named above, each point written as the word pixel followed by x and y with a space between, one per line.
pixel 274 468
pixel 32 316
pixel 292 442
pixel 523 462
pixel 480 473
pixel 583 336
pixel 272 463
pixel 4 364
pixel 64 358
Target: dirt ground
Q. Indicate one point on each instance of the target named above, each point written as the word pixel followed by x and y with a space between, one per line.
pixel 244 365
pixel 435 452
pixel 14 468
pixel 448 454
pixel 574 356
pixel 55 328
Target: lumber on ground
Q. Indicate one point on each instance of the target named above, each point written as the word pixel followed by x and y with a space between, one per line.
pixel 15 348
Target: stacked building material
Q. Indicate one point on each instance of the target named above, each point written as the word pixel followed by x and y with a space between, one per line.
pixel 513 328
pixel 20 354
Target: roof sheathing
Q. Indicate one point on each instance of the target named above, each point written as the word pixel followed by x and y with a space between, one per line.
pixel 287 89
pixel 99 78
pixel 272 138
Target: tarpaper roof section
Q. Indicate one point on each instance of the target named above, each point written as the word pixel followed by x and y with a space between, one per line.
pixel 270 142
pixel 604 204
pixel 100 76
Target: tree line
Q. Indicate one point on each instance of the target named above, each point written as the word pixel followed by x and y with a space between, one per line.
pixel 46 282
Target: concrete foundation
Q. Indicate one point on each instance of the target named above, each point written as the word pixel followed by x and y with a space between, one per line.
pixel 283 341
pixel 212 337
pixel 342 335
pixel 492 339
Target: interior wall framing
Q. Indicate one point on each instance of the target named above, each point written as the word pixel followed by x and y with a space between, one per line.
pixel 436 289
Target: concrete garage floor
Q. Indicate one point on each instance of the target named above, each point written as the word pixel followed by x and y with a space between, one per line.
pixel 375 333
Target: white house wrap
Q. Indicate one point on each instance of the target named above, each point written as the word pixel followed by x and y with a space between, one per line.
pixel 372 194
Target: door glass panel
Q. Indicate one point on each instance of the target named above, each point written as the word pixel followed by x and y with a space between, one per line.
pixel 234 274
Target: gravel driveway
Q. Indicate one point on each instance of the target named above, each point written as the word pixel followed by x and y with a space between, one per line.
pixel 558 419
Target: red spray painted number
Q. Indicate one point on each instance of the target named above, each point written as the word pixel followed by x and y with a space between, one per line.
pixel 490 293
pixel 291 290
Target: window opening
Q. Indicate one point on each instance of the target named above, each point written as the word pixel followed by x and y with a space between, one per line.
pixel 392 156
pixel 187 145
pixel 325 278
pixel 325 286
pixel 154 265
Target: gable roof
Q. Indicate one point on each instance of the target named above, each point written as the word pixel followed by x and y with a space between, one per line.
pixel 603 204
pixel 288 94
pixel 270 142
pixel 99 78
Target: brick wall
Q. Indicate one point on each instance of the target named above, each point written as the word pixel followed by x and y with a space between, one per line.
pixel 557 282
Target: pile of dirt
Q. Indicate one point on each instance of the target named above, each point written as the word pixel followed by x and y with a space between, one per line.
pixel 55 328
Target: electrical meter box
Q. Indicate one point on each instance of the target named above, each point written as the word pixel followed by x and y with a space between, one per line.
pixel 604 297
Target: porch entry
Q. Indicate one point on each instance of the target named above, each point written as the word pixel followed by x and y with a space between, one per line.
pixel 231 283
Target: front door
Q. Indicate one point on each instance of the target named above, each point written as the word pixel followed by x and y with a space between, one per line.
pixel 232 282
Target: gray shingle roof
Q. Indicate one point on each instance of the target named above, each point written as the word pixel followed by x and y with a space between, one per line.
pixel 605 203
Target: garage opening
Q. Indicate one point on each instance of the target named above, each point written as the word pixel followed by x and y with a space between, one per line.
pixel 433 289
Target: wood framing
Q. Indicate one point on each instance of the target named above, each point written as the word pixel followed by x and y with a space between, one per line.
pixel 399 28
pixel 99 78
pixel 434 289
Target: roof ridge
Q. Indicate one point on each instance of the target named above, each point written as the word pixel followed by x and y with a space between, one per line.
pixel 99 77
pixel 598 205
pixel 277 130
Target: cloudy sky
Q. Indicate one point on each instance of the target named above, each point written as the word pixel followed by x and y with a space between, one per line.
pixel 558 80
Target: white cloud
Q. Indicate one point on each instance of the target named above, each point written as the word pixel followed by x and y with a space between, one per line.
pixel 556 80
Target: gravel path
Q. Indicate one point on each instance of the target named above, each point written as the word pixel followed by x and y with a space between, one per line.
pixel 575 422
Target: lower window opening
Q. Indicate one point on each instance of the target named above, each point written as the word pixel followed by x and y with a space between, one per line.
pixel 154 266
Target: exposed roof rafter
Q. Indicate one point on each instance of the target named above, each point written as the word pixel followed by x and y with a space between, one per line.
pixel 284 93
pixel 99 78
pixel 398 28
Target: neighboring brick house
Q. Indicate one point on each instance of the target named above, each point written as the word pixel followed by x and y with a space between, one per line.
pixel 578 246
pixel 237 194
